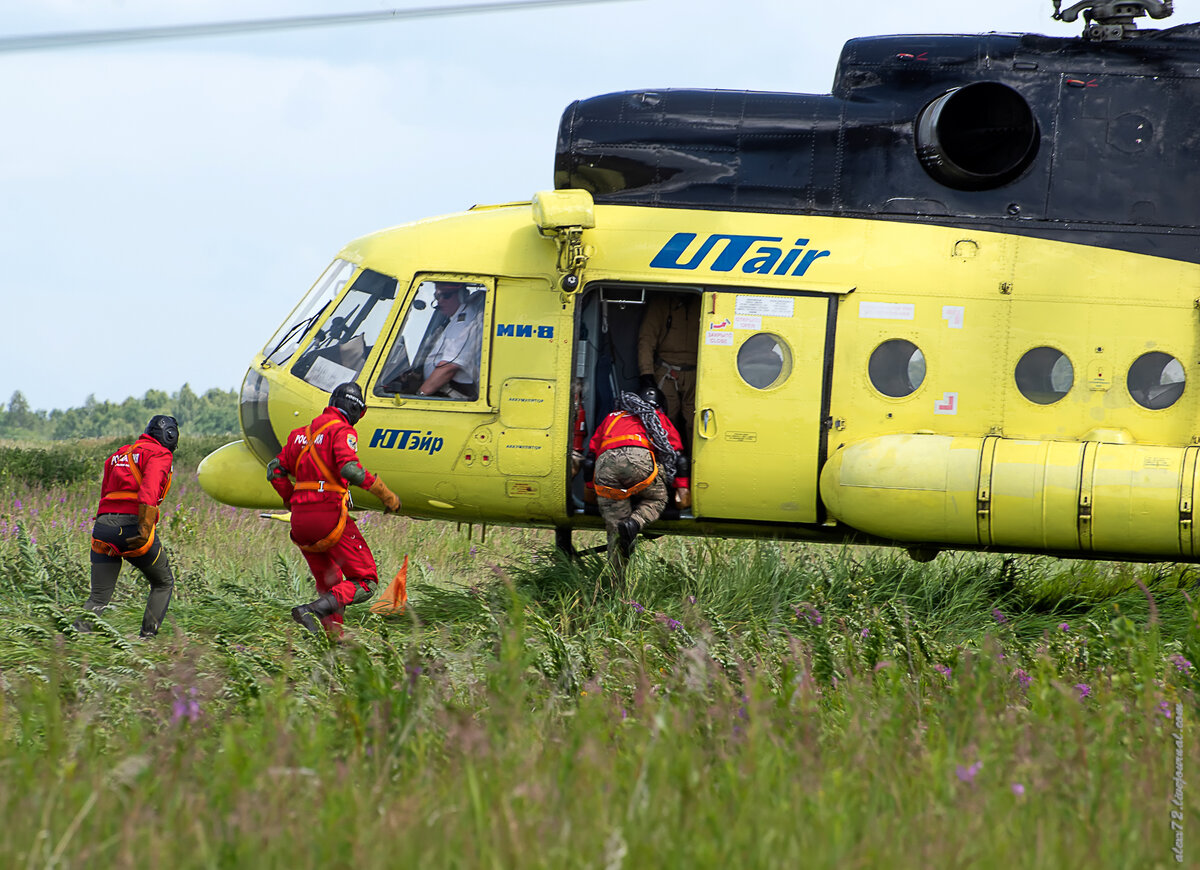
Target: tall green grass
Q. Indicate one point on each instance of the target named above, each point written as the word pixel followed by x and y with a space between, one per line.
pixel 735 704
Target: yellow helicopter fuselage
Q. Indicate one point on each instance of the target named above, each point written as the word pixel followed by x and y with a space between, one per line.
pixel 866 379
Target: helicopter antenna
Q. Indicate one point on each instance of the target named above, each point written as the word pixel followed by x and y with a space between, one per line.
pixel 1112 20
pixel 44 41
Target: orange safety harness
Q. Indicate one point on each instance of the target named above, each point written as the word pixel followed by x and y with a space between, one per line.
pixel 104 548
pixel 325 484
pixel 615 492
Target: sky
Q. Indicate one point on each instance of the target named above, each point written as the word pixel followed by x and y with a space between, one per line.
pixel 164 205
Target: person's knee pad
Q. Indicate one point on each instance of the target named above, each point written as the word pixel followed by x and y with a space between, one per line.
pixel 364 590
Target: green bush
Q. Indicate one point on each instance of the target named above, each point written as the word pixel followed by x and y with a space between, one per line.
pixel 33 466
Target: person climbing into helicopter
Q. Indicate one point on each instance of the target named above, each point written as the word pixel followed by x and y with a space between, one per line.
pixel 632 454
pixel 323 458
pixel 452 369
pixel 666 350
pixel 136 480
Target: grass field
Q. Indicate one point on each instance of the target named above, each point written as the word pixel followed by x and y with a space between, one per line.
pixel 739 704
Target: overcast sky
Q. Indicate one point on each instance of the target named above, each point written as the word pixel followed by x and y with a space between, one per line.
pixel 164 205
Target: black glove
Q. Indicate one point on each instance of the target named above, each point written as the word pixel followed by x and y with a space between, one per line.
pixel 647 381
pixel 682 465
pixel 589 467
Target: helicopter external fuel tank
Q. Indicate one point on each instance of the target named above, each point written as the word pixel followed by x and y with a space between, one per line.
pixel 1057 496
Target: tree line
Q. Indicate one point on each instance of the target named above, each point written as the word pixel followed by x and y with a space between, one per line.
pixel 213 413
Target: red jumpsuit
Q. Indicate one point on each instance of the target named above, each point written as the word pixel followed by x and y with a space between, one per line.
pixel 148 485
pixel 137 474
pixel 341 564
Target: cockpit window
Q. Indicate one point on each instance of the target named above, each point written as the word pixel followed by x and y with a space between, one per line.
pixel 345 339
pixel 287 340
pixel 440 346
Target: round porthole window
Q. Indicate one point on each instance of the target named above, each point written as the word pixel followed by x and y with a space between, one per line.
pixel 896 368
pixel 1156 380
pixel 1044 375
pixel 764 361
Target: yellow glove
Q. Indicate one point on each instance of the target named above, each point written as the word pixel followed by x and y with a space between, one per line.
pixel 379 489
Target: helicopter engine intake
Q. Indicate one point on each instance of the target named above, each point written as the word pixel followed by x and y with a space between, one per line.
pixel 977 137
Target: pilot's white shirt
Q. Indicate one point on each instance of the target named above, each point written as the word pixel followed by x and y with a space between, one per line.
pixel 461 344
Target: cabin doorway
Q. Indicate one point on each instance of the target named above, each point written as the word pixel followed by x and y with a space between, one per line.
pixel 751 400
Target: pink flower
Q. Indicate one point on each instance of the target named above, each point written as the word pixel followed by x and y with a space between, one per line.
pixel 967 774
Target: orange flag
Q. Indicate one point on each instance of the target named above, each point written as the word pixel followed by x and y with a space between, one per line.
pixel 393 599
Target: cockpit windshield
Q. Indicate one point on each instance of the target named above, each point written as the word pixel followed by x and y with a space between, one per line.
pixel 287 340
pixel 344 341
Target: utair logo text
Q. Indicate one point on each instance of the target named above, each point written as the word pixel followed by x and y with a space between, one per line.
pixel 723 252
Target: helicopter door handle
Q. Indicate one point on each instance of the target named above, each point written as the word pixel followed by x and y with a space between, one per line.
pixel 708 423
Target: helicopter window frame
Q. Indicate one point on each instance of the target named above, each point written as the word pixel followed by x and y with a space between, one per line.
pixel 1036 372
pixel 389 367
pixel 294 333
pixel 1146 375
pixel 881 369
pixel 346 338
pixel 781 352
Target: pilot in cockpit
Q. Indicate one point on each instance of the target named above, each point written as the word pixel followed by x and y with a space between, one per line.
pixel 452 367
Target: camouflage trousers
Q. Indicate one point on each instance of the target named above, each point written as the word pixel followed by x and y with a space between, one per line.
pixel 623 467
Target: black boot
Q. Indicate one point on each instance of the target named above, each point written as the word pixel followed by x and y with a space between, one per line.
pixel 627 532
pixel 304 614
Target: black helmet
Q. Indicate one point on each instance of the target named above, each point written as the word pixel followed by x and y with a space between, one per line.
pixel 348 399
pixel 651 396
pixel 164 430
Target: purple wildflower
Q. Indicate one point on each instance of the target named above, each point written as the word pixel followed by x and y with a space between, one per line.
pixel 691 599
pixel 1164 708
pixel 967 774
pixel 1181 664
pixel 1084 690
pixel 636 607
pixel 18 505
pixel 999 617
pixel 944 670
pixel 414 673
pixel 1023 677
pixel 1062 626
pixel 672 624
pixel 809 613
pixel 866 632
pixel 185 706
pixel 1018 789
pixel 473 551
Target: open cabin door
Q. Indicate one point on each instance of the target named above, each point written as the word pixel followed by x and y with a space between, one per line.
pixel 760 395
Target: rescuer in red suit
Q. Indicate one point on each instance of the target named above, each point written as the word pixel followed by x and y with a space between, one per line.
pixel 633 454
pixel 136 480
pixel 323 459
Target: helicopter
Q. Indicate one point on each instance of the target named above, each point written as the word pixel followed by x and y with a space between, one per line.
pixel 949 305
